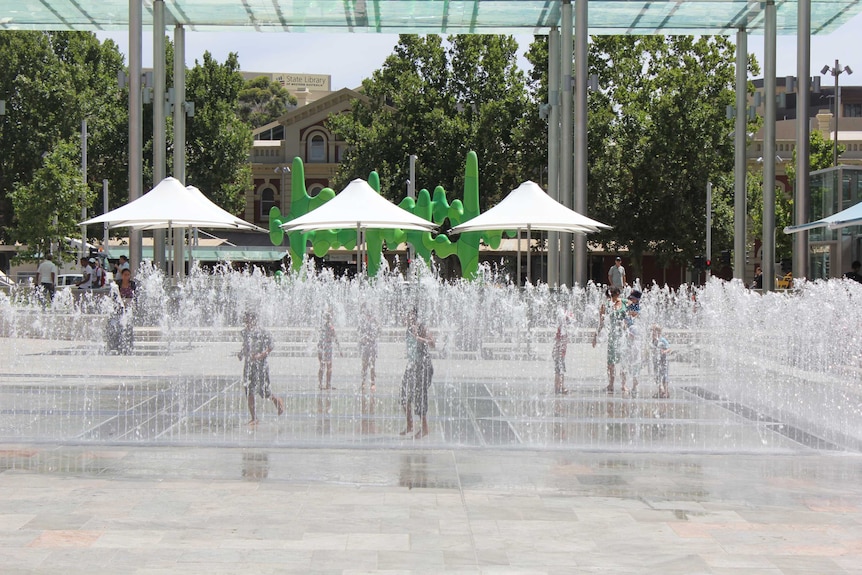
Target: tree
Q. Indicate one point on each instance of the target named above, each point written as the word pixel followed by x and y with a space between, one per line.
pixel 262 101
pixel 660 118
pixel 439 102
pixel 217 140
pixel 51 81
pixel 783 214
pixel 48 208
pixel 819 155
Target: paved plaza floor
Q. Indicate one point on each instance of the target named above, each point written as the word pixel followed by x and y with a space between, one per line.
pixel 130 509
pixel 144 464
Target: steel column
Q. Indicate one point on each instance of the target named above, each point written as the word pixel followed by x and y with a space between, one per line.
pixel 739 148
pixel 580 180
pixel 802 198
pixel 180 132
pixel 159 140
pixel 767 262
pixel 136 132
pixel 566 137
pixel 554 149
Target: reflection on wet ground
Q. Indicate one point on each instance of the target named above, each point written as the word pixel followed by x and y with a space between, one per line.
pixel 275 510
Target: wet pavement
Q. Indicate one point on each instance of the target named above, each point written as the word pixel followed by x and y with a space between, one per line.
pixel 131 509
pixel 145 464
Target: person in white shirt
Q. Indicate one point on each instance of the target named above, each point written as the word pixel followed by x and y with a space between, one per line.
pixel 46 275
pixel 124 265
pixel 87 271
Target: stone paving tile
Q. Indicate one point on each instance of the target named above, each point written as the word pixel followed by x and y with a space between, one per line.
pixel 671 514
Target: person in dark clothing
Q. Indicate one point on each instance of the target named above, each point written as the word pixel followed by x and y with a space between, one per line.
pixel 854 273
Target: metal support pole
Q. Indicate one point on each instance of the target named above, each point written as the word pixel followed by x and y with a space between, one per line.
pixel 739 167
pixel 554 149
pixel 411 193
pixel 518 262
pixel 580 181
pixel 529 258
pixel 566 137
pixel 136 132
pixel 84 176
pixel 767 260
pixel 179 103
pixel 105 232
pixel 836 100
pixel 802 197
pixel 708 225
pixel 180 130
pixel 159 140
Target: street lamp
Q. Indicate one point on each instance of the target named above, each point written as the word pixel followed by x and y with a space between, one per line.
pixel 836 71
pixel 283 170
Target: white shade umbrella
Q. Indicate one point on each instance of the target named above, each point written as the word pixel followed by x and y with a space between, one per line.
pixel 171 205
pixel 852 216
pixel 358 206
pixel 528 206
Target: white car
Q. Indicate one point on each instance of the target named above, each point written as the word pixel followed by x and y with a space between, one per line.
pixel 68 280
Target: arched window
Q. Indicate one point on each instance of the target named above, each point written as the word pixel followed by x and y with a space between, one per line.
pixel 267 201
pixel 317 149
pixel 314 189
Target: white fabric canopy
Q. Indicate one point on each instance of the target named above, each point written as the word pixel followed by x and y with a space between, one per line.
pixel 528 206
pixel 171 205
pixel 358 206
pixel 852 216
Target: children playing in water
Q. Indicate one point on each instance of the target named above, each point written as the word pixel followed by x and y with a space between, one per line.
pixel 661 349
pixel 256 347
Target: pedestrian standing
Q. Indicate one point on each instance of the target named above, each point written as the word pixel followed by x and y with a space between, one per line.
pixel 46 276
pixel 617 275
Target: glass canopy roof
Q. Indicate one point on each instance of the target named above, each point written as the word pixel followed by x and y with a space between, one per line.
pixel 427 16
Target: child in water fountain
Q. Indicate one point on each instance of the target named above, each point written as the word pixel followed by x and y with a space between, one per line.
pixel 256 347
pixel 369 330
pixel 661 349
pixel 418 374
pixel 324 351
pixel 558 353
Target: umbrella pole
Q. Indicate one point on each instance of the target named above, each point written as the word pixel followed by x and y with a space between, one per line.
pixel 529 237
pixel 358 250
pixel 518 266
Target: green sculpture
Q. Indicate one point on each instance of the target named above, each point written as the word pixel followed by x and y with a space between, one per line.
pixel 436 209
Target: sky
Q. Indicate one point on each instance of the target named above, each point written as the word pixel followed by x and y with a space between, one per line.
pixel 349 58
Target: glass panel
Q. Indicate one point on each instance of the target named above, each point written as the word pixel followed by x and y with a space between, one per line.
pixel 429 16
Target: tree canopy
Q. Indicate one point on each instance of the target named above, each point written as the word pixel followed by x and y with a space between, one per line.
pixel 217 140
pixel 658 134
pixel 51 81
pixel 262 101
pixel 439 100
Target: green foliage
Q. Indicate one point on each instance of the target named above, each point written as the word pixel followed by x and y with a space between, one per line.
pixel 439 101
pixel 51 81
pixel 783 214
pixel 55 191
pixel 820 153
pixel 217 140
pixel 657 134
pixel 262 101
